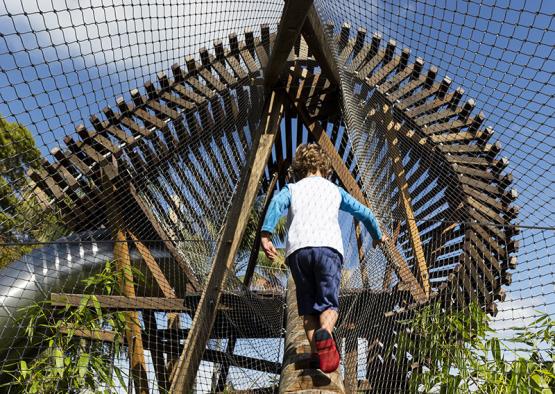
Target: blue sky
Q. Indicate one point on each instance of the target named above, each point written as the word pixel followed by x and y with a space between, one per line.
pixel 58 66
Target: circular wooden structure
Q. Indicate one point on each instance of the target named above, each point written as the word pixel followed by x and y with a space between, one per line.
pixel 147 167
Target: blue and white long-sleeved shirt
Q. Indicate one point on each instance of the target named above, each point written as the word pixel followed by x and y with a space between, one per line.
pixel 313 217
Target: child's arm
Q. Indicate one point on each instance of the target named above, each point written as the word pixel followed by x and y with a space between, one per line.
pixel 362 213
pixel 279 203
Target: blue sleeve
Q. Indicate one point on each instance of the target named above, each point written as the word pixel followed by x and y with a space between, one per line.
pixel 360 212
pixel 279 203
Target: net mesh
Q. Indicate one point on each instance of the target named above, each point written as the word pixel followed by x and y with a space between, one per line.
pixel 128 135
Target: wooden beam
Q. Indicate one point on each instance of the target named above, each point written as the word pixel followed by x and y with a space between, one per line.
pixel 360 248
pixel 315 36
pixel 256 364
pixel 256 245
pixel 292 20
pixel 384 118
pixel 191 279
pixel 351 363
pixel 389 249
pixel 122 302
pixel 96 335
pixel 297 350
pixel 168 291
pixel 133 326
pixel 156 351
pixel 224 368
pixel 228 244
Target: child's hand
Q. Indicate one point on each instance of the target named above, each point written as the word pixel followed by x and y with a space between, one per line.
pixel 379 242
pixel 268 247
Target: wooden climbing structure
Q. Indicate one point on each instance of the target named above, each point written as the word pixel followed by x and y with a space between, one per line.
pixel 228 119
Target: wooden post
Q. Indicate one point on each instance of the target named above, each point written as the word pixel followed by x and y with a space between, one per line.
pixel 133 326
pixel 297 351
pixel 315 36
pixel 123 262
pixel 256 245
pixel 156 350
pixel 360 247
pixel 351 362
pixel 224 368
pixel 228 244
pixel 292 20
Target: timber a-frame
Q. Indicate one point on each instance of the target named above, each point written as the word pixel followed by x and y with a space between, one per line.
pixel 120 174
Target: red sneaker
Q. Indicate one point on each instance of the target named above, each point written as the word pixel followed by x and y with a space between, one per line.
pixel 329 356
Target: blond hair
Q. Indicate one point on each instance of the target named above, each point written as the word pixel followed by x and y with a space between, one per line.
pixel 309 159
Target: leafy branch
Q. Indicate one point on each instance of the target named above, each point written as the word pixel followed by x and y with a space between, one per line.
pixel 70 363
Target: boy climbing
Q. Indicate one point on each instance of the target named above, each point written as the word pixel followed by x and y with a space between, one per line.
pixel 314 247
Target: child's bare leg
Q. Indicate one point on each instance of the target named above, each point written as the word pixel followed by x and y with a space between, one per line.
pixel 328 318
pixel 310 324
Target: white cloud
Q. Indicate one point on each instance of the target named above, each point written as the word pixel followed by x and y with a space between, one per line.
pixel 519 312
pixel 140 33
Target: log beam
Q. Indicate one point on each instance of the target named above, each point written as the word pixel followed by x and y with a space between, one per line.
pixel 228 244
pixel 297 351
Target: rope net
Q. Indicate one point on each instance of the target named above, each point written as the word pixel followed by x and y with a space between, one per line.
pixel 140 146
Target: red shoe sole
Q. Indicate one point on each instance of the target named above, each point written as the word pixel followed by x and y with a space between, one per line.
pixel 325 345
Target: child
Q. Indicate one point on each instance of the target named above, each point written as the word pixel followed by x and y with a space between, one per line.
pixel 314 248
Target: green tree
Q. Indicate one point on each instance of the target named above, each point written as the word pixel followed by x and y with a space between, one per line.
pixel 22 219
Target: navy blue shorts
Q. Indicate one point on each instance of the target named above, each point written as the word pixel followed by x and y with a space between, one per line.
pixel 317 275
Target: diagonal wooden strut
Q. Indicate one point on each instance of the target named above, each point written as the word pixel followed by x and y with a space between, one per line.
pixel 256 246
pixel 291 22
pixel 390 251
pixel 314 35
pixel 228 245
pixel 385 119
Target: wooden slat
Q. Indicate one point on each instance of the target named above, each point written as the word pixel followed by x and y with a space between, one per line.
pixel 423 80
pixel 367 52
pixel 424 94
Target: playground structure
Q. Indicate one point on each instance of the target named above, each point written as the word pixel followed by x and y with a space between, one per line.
pixel 167 179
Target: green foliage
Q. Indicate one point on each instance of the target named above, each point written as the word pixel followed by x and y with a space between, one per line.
pixel 22 219
pixel 457 352
pixel 70 363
